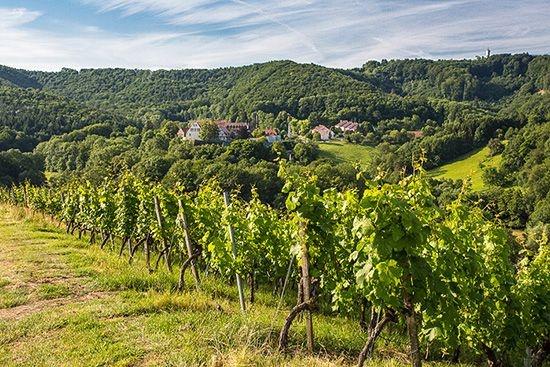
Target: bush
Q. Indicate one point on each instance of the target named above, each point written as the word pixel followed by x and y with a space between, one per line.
pixel 495 147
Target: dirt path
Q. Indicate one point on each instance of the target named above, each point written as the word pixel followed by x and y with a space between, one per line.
pixel 18 312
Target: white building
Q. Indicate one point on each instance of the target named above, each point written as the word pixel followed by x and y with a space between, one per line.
pixel 324 132
pixel 194 131
pixel 227 130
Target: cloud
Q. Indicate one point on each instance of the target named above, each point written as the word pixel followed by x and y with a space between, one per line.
pixel 220 15
pixel 36 49
pixel 211 33
pixel 161 7
pixel 16 17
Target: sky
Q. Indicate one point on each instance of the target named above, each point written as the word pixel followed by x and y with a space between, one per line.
pixel 168 34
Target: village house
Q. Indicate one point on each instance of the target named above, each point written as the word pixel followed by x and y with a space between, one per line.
pixel 224 135
pixel 346 126
pixel 193 131
pixel 227 130
pixel 235 129
pixel 182 132
pixel 271 135
pixel 324 132
pixel 233 126
pixel 415 134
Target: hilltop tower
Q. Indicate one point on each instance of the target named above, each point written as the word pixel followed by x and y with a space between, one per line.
pixel 488 54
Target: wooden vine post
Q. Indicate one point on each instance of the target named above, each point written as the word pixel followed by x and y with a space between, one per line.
pixel 306 283
pixel 188 244
pixel 227 201
pixel 412 329
pixel 305 300
pixel 165 251
pixel 26 199
pixel 147 249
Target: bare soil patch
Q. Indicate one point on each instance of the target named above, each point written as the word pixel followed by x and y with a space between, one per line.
pixel 19 312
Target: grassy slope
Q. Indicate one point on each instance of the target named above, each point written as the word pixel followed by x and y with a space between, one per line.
pixel 65 303
pixel 341 151
pixel 469 165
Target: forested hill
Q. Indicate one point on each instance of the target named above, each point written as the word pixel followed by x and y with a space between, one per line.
pixel 302 90
pixel 458 104
pixel 29 116
pixel 17 78
pixel 488 79
pixel 279 83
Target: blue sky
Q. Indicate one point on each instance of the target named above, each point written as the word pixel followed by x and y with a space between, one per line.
pixel 51 34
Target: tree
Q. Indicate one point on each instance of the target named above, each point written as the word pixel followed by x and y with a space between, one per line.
pixel 495 146
pixel 305 152
pixel 154 167
pixel 239 150
pixel 209 131
pixel 17 167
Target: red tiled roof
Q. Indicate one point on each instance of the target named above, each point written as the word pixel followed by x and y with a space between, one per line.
pixel 321 129
pixel 346 125
pixel 231 124
pixel 416 133
pixel 270 132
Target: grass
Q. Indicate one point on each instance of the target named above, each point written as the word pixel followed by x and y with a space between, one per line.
pixel 468 166
pixel 52 291
pixel 66 303
pixel 12 298
pixel 341 151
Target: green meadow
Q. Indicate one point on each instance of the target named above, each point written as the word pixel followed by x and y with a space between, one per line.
pixel 468 166
pixel 341 151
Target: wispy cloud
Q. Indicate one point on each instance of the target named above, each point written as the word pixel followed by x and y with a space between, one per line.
pixel 16 16
pixel 209 33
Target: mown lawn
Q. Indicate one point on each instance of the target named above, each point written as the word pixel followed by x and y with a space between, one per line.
pixel 468 166
pixel 341 151
pixel 64 302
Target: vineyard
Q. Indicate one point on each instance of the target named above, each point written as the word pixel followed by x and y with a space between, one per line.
pixel 388 254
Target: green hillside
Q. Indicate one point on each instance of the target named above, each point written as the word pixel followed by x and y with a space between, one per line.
pixel 266 85
pixel 470 165
pixel 17 78
pixel 29 116
pixel 467 166
pixel 341 151
pixel 378 90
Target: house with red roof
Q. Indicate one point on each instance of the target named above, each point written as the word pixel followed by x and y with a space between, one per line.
pixel 272 135
pixel 227 130
pixel 324 132
pixel 415 134
pixel 346 126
